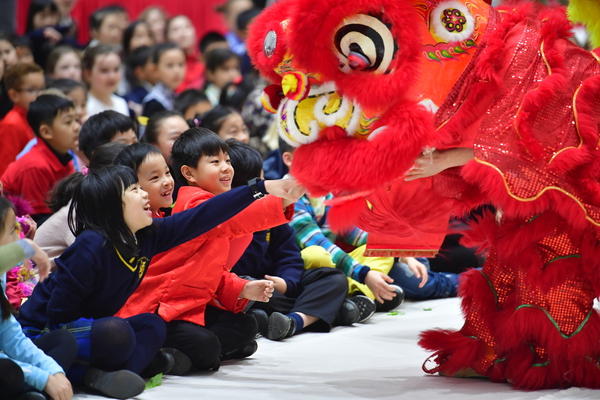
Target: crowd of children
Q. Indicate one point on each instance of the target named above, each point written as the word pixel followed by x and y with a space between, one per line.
pixel 131 181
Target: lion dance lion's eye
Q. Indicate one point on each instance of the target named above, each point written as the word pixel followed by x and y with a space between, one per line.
pixel 270 44
pixel 364 43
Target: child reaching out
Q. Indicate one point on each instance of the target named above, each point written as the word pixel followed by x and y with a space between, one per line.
pixel 182 284
pixel 21 361
pixel 115 239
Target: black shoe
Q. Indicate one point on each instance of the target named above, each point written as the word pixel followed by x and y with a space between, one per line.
pixel 182 362
pixel 262 320
pixel 395 302
pixel 244 352
pixel 162 363
pixel 121 384
pixel 348 313
pixel 366 306
pixel 31 396
pixel 280 326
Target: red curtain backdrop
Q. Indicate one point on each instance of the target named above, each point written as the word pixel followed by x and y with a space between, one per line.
pixel 201 12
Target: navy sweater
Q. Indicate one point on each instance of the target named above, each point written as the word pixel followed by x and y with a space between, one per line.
pixel 93 281
pixel 273 252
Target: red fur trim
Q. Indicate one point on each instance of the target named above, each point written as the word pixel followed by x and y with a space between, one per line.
pixel 454 350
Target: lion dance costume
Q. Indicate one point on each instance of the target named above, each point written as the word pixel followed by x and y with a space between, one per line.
pixel 364 87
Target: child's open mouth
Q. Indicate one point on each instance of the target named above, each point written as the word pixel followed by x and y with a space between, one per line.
pixel 167 194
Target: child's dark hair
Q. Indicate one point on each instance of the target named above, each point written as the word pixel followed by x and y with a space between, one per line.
pixel 90 55
pixel 210 38
pixel 101 128
pixel 213 119
pixel 285 146
pixel 35 7
pixel 13 77
pixel 20 41
pixel 244 19
pixel 191 146
pixel 66 86
pixel 44 109
pixel 137 58
pixel 245 160
pixel 64 190
pixel 56 54
pixel 98 205
pixel 152 129
pixel 5 206
pixel 189 98
pixel 161 49
pixel 97 17
pixel 218 57
pixel 128 34
pixel 134 155
pixel 235 94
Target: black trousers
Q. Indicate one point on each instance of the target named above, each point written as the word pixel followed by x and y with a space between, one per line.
pixel 223 333
pixel 322 292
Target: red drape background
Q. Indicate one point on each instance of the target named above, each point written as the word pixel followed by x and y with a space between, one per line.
pixel 201 12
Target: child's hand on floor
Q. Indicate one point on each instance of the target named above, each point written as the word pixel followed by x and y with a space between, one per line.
pixel 278 283
pixel 419 269
pixel 261 290
pixel 59 387
pixel 378 282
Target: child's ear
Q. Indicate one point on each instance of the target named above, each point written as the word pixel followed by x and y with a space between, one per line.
pixel 188 173
pixel 86 75
pixel 287 158
pixel 45 132
pixel 13 94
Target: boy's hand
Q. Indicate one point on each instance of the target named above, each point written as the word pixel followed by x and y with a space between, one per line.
pixel 418 268
pixel 41 260
pixel 261 290
pixel 378 283
pixel 278 283
pixel 288 189
pixel 59 387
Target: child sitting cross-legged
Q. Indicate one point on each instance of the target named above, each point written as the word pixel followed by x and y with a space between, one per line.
pixel 191 286
pixel 52 118
pixel 303 299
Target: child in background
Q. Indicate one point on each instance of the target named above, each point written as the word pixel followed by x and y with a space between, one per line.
pixel 192 103
pixel 181 31
pixel 106 127
pixel 107 25
pixel 43 30
pixel 23 46
pixel 156 18
pixel 141 76
pixel 54 235
pixel 136 35
pixel 162 131
pixel 102 73
pixel 209 42
pixel 21 361
pixel 75 91
pixel 231 9
pixel 52 118
pixel 169 60
pixel 116 238
pixel 302 298
pixel 66 22
pixel 8 51
pixel 182 283
pixel 64 62
pixel 23 82
pixel 227 123
pixel 222 67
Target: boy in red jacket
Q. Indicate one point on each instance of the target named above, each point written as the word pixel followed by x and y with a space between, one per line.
pixel 191 286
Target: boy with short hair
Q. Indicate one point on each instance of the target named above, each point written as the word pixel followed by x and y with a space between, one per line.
pixel 53 120
pixel 24 82
pixel 191 286
pixel 105 127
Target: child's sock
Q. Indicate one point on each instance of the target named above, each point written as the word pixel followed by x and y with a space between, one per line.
pixel 299 321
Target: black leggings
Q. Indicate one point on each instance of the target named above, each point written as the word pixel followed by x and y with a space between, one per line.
pixel 60 344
